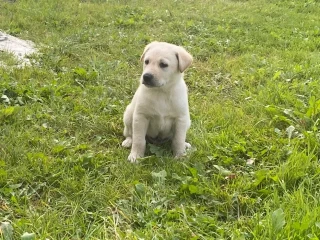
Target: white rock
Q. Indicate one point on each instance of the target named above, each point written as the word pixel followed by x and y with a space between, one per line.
pixel 18 47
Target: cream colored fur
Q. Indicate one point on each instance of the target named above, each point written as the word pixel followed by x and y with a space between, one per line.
pixel 159 108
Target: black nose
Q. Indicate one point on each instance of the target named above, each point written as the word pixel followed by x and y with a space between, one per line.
pixel 147 78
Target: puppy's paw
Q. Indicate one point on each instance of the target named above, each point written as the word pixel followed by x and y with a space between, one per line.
pixel 182 152
pixel 127 142
pixel 179 154
pixel 188 146
pixel 133 157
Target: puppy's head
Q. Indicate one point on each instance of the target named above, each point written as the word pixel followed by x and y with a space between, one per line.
pixel 163 63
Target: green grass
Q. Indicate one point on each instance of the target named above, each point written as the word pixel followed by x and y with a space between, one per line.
pixel 254 92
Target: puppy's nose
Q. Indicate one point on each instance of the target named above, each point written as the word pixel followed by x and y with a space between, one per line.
pixel 147 78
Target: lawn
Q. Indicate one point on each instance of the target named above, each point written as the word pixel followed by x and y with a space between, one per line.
pixel 254 95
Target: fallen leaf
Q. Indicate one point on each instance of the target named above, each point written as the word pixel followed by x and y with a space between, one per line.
pixel 231 176
pixel 251 161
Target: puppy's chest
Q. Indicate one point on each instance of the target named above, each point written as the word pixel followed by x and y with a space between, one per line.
pixel 161 104
pixel 163 109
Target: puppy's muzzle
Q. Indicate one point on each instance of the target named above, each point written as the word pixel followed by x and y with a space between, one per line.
pixel 148 80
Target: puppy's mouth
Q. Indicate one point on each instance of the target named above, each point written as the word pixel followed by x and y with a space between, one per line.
pixel 153 85
pixel 149 85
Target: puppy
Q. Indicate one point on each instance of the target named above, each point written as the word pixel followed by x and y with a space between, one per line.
pixel 159 109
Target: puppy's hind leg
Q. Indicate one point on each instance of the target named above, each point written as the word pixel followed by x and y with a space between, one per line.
pixel 127 142
pixel 127 132
pixel 179 144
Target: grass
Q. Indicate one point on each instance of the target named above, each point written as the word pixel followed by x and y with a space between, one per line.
pixel 255 109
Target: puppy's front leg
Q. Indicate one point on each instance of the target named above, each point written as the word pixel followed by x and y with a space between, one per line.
pixel 140 126
pixel 179 139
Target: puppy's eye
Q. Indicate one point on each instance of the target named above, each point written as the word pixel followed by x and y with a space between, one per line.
pixel 146 62
pixel 163 65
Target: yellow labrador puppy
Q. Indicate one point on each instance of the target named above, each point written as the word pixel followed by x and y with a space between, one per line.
pixel 159 110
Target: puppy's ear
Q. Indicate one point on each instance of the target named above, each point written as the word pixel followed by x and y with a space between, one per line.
pixel 146 49
pixel 184 59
